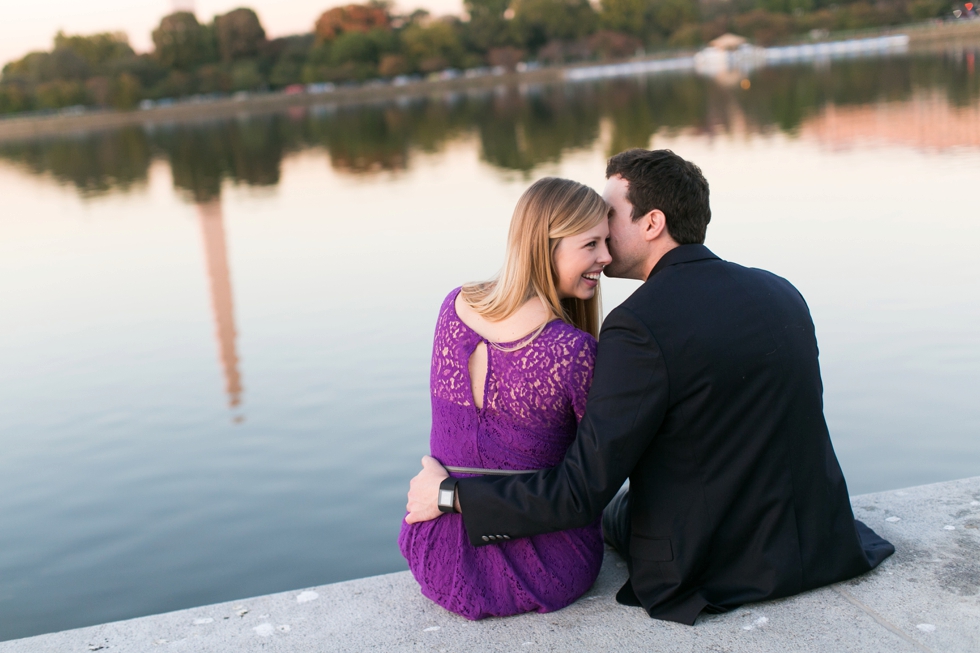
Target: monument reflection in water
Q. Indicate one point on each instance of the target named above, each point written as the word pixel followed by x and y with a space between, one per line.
pixel 222 301
pixel 131 482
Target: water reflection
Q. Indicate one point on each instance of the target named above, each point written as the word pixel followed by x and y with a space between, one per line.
pixel 216 256
pixel 201 157
pixel 927 122
pixel 928 102
pixel 94 163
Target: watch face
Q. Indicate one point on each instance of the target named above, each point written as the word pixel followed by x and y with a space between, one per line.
pixel 445 497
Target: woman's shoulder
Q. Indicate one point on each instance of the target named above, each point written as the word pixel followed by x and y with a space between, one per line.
pixel 447 319
pixel 572 353
pixel 570 338
pixel 449 303
pixel 451 297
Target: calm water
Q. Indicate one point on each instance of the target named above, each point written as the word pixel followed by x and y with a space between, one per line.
pixel 214 338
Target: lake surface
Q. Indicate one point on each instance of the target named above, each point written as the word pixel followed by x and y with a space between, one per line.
pixel 215 338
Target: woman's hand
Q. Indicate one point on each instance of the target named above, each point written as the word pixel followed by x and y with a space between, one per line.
pixel 423 491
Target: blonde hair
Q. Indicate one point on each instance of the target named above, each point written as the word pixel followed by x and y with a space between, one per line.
pixel 551 209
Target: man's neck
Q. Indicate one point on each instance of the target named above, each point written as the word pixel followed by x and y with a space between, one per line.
pixel 657 252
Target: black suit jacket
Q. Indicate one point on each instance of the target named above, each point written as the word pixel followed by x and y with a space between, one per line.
pixel 707 395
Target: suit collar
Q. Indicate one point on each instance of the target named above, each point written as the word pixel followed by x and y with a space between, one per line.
pixel 682 254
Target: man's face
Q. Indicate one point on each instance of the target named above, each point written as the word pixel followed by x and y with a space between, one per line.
pixel 626 243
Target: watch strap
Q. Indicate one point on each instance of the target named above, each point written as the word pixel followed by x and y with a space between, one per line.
pixel 447 495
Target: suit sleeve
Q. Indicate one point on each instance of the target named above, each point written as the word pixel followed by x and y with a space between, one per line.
pixel 626 406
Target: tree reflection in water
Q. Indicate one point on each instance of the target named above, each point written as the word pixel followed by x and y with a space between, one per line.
pixel 518 128
pixel 94 163
pixel 202 156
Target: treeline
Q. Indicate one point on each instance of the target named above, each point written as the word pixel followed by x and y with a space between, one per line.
pixel 513 130
pixel 356 42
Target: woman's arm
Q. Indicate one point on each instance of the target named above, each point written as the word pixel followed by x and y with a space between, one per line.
pixel 579 377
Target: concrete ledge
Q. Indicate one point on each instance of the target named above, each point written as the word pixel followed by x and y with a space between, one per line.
pixel 924 598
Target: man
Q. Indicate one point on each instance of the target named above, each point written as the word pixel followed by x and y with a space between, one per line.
pixel 707 395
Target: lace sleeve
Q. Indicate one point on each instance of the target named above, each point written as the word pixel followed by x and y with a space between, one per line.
pixel 580 376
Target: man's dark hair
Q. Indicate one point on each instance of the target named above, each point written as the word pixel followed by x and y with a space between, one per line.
pixel 659 179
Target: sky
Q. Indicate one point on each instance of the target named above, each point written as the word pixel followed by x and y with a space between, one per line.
pixel 28 26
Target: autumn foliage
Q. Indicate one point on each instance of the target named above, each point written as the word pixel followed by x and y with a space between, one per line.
pixel 351 18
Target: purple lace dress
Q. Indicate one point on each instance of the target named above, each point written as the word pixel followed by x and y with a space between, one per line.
pixel 533 400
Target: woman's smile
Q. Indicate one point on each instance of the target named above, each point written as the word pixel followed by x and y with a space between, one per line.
pixel 592 278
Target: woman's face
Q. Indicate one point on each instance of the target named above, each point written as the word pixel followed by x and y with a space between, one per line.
pixel 579 261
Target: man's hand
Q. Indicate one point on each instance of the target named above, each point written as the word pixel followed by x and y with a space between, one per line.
pixel 423 491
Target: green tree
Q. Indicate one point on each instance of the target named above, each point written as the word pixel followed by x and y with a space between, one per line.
pixel 238 34
pixel 39 67
pixel 671 15
pixel 627 16
pixel 126 92
pixel 143 67
pixel 181 43
pixel 13 99
pixel 488 27
pixel 924 9
pixel 362 47
pixel 288 55
pixel 66 64
pixel 392 65
pixel 317 66
pixel 25 70
pixel 540 21
pixel 175 84
pixel 245 76
pixel 59 93
pixel 97 90
pixel 351 56
pixel 786 6
pixel 356 47
pixel 432 47
pixel 98 50
pixel 763 27
pixel 213 78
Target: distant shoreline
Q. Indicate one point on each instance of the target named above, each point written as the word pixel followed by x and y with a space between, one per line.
pixel 923 37
pixel 15 129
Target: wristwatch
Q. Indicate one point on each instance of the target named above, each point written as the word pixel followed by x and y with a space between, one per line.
pixel 447 495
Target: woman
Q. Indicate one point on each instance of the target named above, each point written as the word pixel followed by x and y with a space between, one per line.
pixel 511 367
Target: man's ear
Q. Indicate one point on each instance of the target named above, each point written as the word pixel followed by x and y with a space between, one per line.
pixel 654 225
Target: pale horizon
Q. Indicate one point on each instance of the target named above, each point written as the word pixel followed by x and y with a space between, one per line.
pixel 29 27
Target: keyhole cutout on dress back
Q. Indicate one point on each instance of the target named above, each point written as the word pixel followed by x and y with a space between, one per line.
pixel 478 373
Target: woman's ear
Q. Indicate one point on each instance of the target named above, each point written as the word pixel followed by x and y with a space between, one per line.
pixel 654 225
